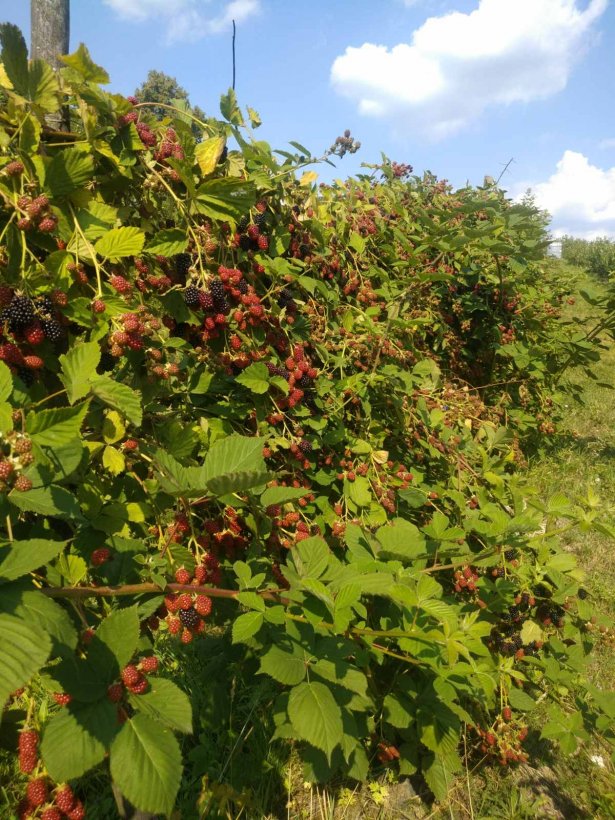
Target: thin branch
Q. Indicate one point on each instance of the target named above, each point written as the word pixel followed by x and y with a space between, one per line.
pixel 233 47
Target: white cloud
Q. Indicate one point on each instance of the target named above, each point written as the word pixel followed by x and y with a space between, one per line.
pixel 456 65
pixel 579 196
pixel 186 19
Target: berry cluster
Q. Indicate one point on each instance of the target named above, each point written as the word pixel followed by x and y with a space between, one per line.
pixel 37 214
pixel 503 740
pixel 186 611
pixel 15 457
pixel 344 145
pixel 38 800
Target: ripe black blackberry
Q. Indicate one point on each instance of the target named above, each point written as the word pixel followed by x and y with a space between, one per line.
pixel 285 299
pixel 245 243
pixel 19 313
pixel 582 593
pixel 44 304
pixel 514 612
pixel 243 223
pixel 52 329
pixel 242 287
pixel 27 376
pixel 305 446
pixel 510 555
pixel 182 263
pixel 260 220
pixel 192 296
pixel 305 382
pixel 223 155
pixel 189 617
pixel 517 641
pixel 216 287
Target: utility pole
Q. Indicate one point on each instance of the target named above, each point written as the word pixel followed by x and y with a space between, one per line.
pixel 50 34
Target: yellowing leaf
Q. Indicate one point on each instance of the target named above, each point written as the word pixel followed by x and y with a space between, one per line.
pixel 113 427
pixel 208 153
pixel 308 178
pixel 113 460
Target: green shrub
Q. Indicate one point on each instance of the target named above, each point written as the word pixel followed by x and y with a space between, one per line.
pixel 234 401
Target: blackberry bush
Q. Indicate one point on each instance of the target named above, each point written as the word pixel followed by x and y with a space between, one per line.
pixel 322 459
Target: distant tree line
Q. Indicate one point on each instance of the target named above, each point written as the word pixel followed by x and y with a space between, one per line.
pixel 596 255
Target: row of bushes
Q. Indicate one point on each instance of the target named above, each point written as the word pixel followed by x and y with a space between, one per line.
pixel 232 398
pixel 596 255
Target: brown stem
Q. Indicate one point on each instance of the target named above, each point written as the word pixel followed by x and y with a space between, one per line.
pixel 140 589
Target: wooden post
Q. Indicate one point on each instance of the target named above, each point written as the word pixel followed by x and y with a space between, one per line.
pixel 50 34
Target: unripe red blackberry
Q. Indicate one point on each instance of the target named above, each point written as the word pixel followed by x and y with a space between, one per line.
pixel 507 713
pixel 6 470
pixel 186 636
pixel 78 812
pixel 98 306
pixel 115 692
pixel 174 625
pixel 149 665
pixel 120 284
pixel 22 484
pixel 130 675
pixel 64 799
pixel 184 602
pixel 36 793
pixel 263 242
pixel 62 698
pixel 51 813
pixel 130 444
pixel 202 605
pixel 33 362
pixel 35 334
pixel 100 555
pixel 14 168
pixel 140 686
pixel 182 576
pixel 47 225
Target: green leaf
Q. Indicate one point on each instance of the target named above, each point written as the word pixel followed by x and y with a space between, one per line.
pixel 166 703
pixel 285 667
pixel 6 382
pixel 81 62
pixel 280 495
pixel 23 650
pixel 519 699
pixel 255 378
pixel 113 460
pixel 77 737
pixel 120 242
pixel 68 171
pixel 226 199
pixel 401 539
pixel 120 397
pixel 15 57
pixel 40 612
pixel 146 764
pixel 229 108
pixel 359 491
pixel 246 626
pixel 43 86
pixel 168 243
pixel 311 556
pixel 116 640
pixel 51 500
pixel 315 716
pixel 436 775
pixel 79 368
pixel 56 427
pixel 22 557
pixel 208 153
pixel 234 463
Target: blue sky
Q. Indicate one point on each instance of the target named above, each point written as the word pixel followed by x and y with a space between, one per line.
pixel 459 87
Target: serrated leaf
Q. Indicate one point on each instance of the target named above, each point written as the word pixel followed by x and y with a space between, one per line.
pixel 146 764
pixel 43 86
pixel 81 62
pixel 226 199
pixel 113 460
pixel 246 626
pixel 168 243
pixel 311 556
pixel 280 495
pixel 208 153
pixel 115 642
pixel 315 716
pixel 166 703
pixel 120 242
pixel 54 428
pixel 436 775
pixel 113 429
pixel 42 613
pixel 76 738
pixel 78 368
pixel 51 500
pixel 401 539
pixel 22 557
pixel 285 667
pixel 255 378
pixel 359 491
pixel 6 382
pixel 531 631
pixel 120 397
pixel 68 171
pixel 519 699
pixel 15 57
pixel 23 650
pixel 229 108
pixel 231 458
